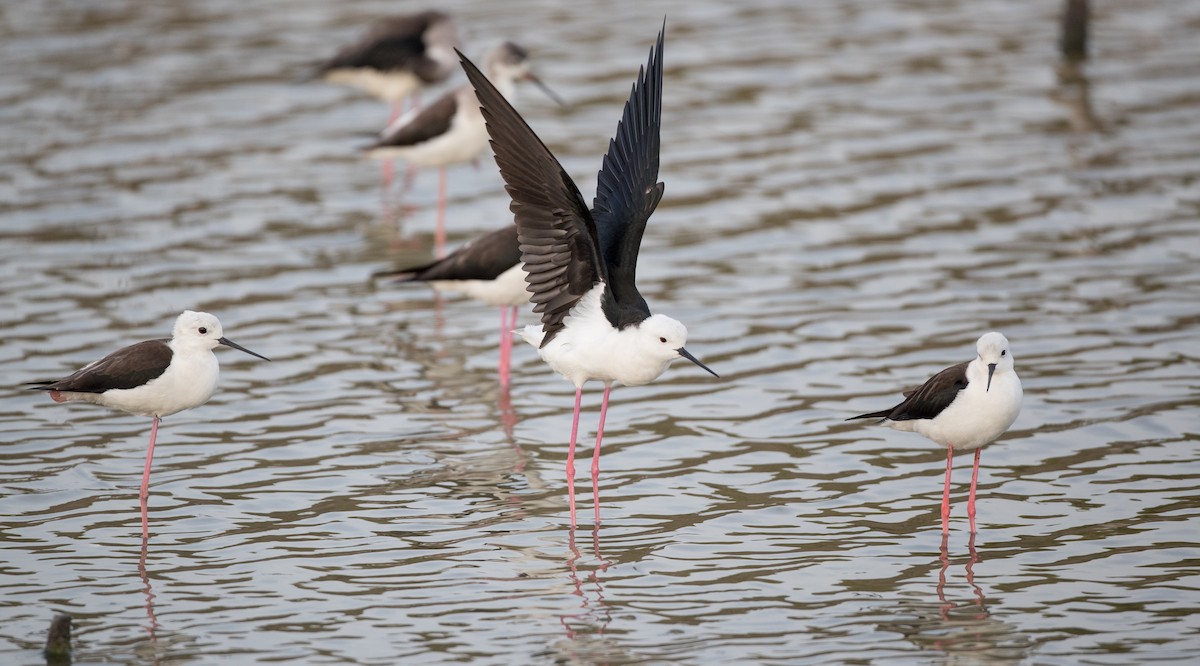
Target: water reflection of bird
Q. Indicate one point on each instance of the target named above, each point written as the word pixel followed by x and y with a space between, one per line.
pixel 148 593
pixel 153 378
pixel 962 408
pixel 594 614
pixel 488 270
pixel 581 263
pixel 397 57
pixel 961 630
pixel 451 130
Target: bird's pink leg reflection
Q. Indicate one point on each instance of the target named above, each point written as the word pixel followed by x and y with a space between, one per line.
pixel 944 557
pixel 588 613
pixel 970 569
pixel 151 628
pixel 508 418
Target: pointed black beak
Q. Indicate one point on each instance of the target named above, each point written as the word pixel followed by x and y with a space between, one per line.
pixel 532 78
pixel 688 355
pixel 230 343
pixel 991 371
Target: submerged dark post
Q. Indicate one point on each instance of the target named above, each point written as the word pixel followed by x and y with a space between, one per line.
pixel 58 642
pixel 1074 36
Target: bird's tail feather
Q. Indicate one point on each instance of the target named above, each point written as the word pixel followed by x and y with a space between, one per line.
pixel 405 275
pixel 881 415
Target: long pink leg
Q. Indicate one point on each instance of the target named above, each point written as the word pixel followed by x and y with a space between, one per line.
pixel 946 491
pixel 596 453
pixel 504 345
pixel 388 165
pixel 145 494
pixel 571 456
pixel 974 482
pixel 508 346
pixel 389 168
pixel 397 111
pixel 439 237
pixel 410 170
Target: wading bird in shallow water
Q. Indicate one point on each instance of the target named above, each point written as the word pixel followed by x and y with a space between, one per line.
pixel 397 57
pixel 153 378
pixel 581 263
pixel 962 408
pixel 450 131
pixel 488 269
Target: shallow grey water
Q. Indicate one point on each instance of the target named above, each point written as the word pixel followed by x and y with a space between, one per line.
pixel 854 193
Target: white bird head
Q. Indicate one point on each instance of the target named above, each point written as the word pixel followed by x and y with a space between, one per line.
pixel 994 353
pixel 662 339
pixel 202 331
pixel 509 62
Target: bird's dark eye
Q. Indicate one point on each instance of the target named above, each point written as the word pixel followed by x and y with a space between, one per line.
pixel 203 330
pixel 663 340
pixel 1004 352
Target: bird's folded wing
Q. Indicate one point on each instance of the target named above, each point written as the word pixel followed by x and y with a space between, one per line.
pixel 126 368
pixel 929 399
pixel 484 258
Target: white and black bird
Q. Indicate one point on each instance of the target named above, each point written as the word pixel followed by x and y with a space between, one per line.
pixel 451 130
pixel 962 408
pixel 397 56
pixel 581 263
pixel 488 269
pixel 152 378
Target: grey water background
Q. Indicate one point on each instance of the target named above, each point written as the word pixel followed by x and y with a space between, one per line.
pixel 855 191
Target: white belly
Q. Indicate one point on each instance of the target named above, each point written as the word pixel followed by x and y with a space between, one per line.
pixel 975 418
pixel 391 86
pixel 465 140
pixel 588 347
pixel 188 382
pixel 507 289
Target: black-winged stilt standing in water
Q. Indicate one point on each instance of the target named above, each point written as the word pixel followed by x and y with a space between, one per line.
pixel 580 264
pixel 153 378
pixel 488 269
pixel 397 57
pixel 962 408
pixel 450 131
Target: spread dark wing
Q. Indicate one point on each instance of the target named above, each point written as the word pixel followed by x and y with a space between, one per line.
pixel 433 121
pixel 126 368
pixel 627 191
pixel 484 258
pixel 555 229
pixel 395 43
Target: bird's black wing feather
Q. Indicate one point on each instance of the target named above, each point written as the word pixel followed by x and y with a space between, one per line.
pixel 627 191
pixel 126 368
pixel 432 122
pixel 484 258
pixel 555 229
pixel 927 400
pixel 392 43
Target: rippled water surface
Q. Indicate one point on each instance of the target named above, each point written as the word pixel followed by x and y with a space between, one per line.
pixel 855 192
